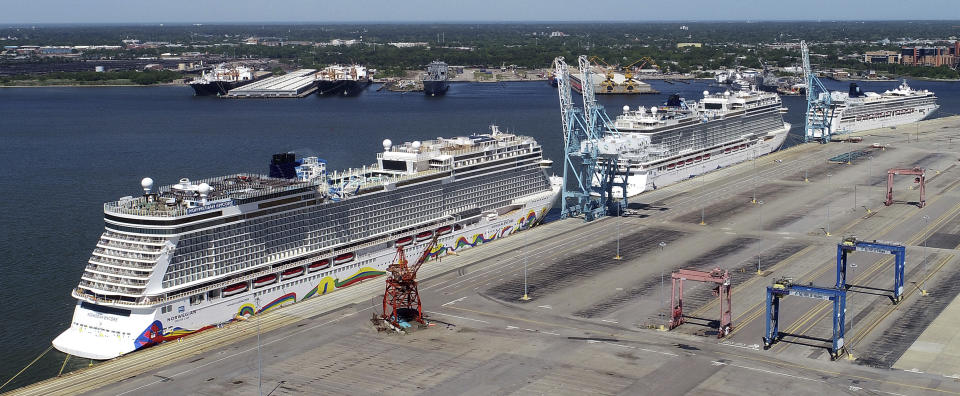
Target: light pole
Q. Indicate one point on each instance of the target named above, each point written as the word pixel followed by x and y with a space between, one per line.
pixel 660 257
pixel 702 204
pixel 761 238
pixel 828 205
pixel 523 242
pixel 259 359
pixel 923 291
pixel 619 222
pixel 754 175
pixel 869 170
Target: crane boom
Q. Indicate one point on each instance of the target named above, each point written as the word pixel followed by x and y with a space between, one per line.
pixel 412 273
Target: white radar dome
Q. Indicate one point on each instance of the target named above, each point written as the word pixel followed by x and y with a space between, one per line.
pixel 626 108
pixel 416 145
pixel 204 188
pixel 653 109
pixel 727 93
pixel 387 144
pixel 147 184
pixel 706 93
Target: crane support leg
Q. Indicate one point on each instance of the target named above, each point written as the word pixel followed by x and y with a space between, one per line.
pixel 720 278
pixel 850 245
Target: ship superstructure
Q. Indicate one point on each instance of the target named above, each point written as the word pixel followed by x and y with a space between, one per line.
pixel 343 80
pixel 692 138
pixel 222 79
pixel 435 82
pixel 196 254
pixel 856 110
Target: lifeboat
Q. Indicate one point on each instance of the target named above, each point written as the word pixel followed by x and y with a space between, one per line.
pixel 444 230
pixel 291 273
pixel 726 150
pixel 743 146
pixel 264 281
pixel 234 289
pixel 698 158
pixel 689 161
pixel 423 236
pixel 457 227
pixel 318 265
pixel 404 241
pixel 343 258
pixel 670 166
pixel 706 156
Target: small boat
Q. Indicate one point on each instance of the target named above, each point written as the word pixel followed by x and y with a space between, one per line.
pixel 318 265
pixel 444 230
pixel 689 161
pixel 264 281
pixel 423 236
pixel 343 258
pixel 726 150
pixel 404 241
pixel 291 273
pixel 706 156
pixel 698 158
pixel 234 289
pixel 670 166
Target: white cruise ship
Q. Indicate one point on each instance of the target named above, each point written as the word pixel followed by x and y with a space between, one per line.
pixel 689 139
pixel 201 253
pixel 855 111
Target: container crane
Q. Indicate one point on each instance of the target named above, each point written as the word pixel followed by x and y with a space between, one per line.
pixel 592 151
pixel 819 116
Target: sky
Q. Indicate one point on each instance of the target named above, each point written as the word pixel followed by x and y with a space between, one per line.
pixel 278 11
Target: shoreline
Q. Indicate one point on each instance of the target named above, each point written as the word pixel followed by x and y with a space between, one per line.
pixel 94 85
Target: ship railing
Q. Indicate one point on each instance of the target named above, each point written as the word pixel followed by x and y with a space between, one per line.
pixel 120 263
pixel 114 271
pixel 127 255
pixel 122 282
pixel 130 238
pixel 109 243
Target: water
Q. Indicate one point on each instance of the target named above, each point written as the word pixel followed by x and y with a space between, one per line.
pixel 66 151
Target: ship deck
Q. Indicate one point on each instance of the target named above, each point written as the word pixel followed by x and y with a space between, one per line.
pixel 296 84
pixel 592 324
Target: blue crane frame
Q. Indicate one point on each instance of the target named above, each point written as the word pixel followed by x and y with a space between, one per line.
pixel 776 293
pixel 899 252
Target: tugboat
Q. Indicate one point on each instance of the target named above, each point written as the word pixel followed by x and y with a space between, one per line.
pixel 435 81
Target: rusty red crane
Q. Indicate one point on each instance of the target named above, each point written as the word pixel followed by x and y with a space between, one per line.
pixel 401 300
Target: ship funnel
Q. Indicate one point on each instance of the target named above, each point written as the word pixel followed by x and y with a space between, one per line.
pixel 204 190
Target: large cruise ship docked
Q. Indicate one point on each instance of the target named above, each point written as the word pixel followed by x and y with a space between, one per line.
pixel 201 253
pixel 855 110
pixel 689 139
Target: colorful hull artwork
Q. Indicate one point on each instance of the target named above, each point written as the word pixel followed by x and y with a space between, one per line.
pixel 156 332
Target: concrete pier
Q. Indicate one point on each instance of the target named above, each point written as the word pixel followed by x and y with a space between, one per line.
pixel 593 323
pixel 296 84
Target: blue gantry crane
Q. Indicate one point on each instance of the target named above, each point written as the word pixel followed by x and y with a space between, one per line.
pixel 819 117
pixel 783 288
pixel 852 244
pixel 592 151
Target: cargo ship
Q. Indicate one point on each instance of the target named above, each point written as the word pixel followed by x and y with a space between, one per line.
pixel 343 80
pixel 199 253
pixel 222 79
pixel 690 139
pixel 435 82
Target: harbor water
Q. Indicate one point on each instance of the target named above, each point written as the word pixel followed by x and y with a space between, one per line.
pixel 66 151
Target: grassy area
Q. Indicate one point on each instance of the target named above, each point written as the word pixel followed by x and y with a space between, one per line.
pixel 92 78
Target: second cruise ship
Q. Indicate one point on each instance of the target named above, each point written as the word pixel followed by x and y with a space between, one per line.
pixel 195 254
pixel 689 139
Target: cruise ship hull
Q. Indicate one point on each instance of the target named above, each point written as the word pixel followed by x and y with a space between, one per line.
pixel 882 119
pixel 99 332
pixel 651 177
pixel 435 88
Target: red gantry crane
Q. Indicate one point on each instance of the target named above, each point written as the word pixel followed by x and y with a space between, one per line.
pixel 921 179
pixel 401 300
pixel 718 276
